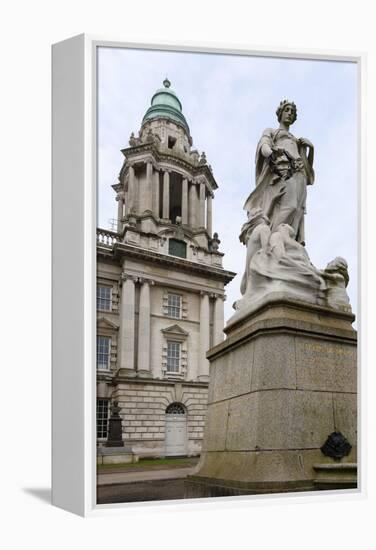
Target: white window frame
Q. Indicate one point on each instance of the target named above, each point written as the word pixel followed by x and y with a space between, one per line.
pixel 110 289
pixel 103 368
pixel 171 307
pixel 177 346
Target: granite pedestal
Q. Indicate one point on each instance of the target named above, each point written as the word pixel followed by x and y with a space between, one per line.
pixel 281 383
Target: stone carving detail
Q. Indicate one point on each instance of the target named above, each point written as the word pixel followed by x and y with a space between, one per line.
pixel 115 410
pixel 151 137
pixel 179 231
pixel 337 278
pixel 133 141
pixel 125 276
pixel 336 446
pixel 195 156
pixel 277 260
pixel 214 243
pixel 202 160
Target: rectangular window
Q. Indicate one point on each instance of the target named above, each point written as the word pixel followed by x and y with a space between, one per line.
pixel 173 356
pixel 103 352
pixel 174 306
pixel 102 418
pixel 104 298
pixel 177 248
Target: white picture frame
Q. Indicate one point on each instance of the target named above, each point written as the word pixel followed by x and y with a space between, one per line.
pixel 74 252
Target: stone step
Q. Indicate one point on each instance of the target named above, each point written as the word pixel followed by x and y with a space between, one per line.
pixel 335 476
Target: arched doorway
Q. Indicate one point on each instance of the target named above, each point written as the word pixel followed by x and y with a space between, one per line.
pixel 176 430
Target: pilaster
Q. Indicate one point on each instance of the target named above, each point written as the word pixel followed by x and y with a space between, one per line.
pixel 144 329
pixel 126 357
pixel 209 214
pixel 148 190
pixel 203 369
pixel 192 208
pixel 218 320
pixel 155 193
pixel 202 205
pixel 120 214
pixel 166 195
pixel 184 202
pixel 131 189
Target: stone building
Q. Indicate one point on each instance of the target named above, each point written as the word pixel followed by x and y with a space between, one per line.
pixel 160 288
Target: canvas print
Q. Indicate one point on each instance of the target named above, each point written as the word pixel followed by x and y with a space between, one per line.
pixel 226 275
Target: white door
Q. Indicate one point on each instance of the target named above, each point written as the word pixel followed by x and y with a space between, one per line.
pixel 176 434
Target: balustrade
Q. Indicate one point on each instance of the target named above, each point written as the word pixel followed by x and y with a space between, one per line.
pixel 106 237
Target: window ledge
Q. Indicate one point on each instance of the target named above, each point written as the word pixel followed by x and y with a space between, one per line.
pixel 174 375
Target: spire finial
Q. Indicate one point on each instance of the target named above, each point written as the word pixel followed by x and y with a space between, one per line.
pixel 166 83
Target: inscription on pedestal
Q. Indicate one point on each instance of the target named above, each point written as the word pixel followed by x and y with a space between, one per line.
pixel 326 349
pixel 325 366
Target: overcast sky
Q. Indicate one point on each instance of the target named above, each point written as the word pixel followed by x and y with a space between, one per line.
pixel 228 101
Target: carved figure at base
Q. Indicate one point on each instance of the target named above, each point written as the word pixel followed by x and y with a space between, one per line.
pixel 336 277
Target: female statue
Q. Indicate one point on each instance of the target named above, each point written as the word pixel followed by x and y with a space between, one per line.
pixel 284 168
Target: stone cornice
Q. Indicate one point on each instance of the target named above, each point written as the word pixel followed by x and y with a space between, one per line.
pixel 103 376
pixel 123 249
pixel 166 227
pixel 123 378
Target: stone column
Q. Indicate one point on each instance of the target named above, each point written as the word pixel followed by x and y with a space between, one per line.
pixel 184 202
pixel 192 208
pixel 202 205
pixel 120 201
pixel 127 325
pixel 148 189
pixel 203 368
pixel 218 334
pixel 156 193
pixel 144 330
pixel 166 195
pixel 131 189
pixel 209 215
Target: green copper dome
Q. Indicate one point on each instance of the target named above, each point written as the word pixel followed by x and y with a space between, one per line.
pixel 166 104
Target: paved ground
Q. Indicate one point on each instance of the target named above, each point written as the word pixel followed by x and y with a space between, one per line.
pixel 143 483
pixel 153 475
pixel 142 491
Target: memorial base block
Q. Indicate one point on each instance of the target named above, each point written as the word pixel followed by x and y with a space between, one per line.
pixel 281 383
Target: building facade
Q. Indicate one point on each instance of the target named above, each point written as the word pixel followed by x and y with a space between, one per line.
pixel 160 288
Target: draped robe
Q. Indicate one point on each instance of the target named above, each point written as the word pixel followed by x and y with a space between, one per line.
pixel 291 206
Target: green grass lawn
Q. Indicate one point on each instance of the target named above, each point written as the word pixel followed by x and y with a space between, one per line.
pixel 151 463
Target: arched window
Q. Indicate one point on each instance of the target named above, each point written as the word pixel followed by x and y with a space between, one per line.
pixel 175 408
